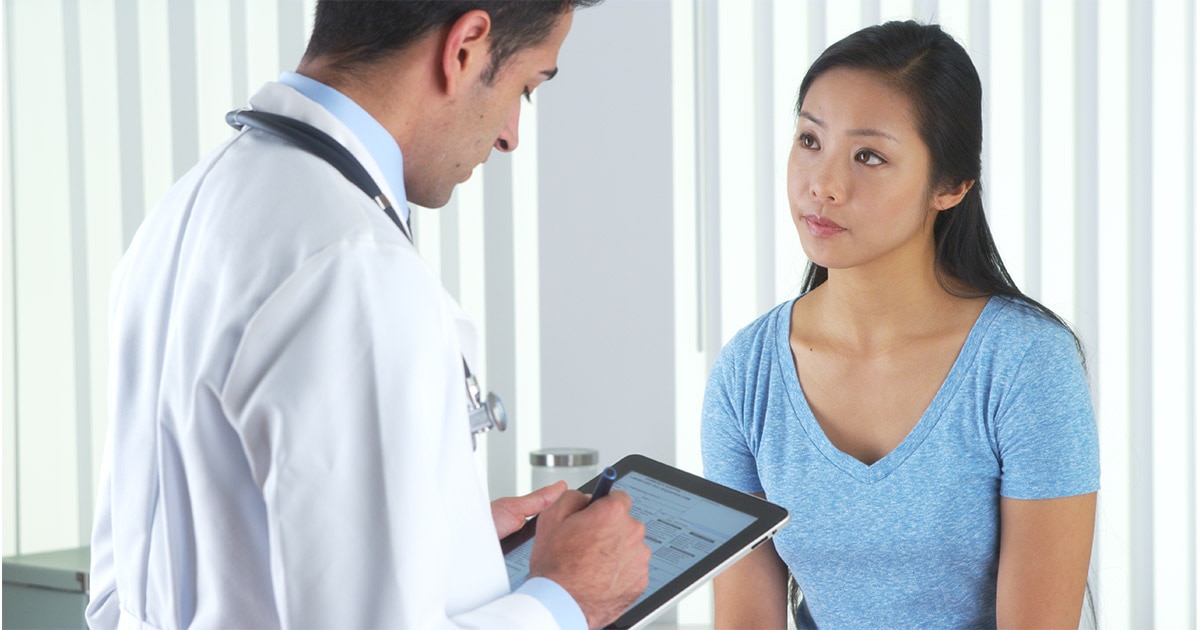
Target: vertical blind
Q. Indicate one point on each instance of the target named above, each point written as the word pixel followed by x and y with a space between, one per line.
pixel 106 102
pixel 1089 178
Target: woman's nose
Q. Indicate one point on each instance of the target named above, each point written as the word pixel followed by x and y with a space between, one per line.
pixel 827 183
pixel 507 140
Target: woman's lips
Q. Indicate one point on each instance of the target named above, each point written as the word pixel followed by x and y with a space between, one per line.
pixel 821 227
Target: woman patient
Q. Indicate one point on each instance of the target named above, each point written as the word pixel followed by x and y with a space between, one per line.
pixel 927 424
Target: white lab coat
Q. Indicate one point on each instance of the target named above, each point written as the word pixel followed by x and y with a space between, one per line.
pixel 288 441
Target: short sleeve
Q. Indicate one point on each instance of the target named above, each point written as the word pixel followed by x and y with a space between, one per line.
pixel 728 458
pixel 1045 426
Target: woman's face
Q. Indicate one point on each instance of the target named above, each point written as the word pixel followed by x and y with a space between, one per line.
pixel 858 175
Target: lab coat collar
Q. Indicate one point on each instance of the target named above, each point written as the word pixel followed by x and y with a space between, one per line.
pixel 277 98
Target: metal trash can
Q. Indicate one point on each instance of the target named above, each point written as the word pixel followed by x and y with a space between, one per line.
pixel 576 466
pixel 47 590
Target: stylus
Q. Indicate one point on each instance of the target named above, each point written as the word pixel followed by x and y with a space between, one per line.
pixel 604 484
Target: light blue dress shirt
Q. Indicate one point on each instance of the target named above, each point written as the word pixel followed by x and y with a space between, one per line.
pixel 386 153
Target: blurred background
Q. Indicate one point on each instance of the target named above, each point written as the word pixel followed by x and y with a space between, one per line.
pixel 641 224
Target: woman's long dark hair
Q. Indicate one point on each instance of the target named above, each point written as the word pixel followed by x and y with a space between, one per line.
pixel 925 64
pixel 936 74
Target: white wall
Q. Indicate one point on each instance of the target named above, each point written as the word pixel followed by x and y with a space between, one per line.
pixel 642 222
pixel 607 308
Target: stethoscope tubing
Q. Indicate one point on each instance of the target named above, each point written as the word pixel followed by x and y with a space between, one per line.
pixel 484 414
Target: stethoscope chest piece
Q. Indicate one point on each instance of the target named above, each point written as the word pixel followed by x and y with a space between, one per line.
pixel 485 415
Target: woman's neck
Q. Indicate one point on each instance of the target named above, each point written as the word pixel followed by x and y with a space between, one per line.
pixel 879 308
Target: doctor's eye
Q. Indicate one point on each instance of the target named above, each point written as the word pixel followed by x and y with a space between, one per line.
pixel 870 158
pixel 808 141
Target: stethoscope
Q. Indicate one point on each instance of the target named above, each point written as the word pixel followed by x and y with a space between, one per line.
pixel 484 414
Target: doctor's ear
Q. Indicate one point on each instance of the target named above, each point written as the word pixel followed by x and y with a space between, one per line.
pixel 467 49
pixel 951 196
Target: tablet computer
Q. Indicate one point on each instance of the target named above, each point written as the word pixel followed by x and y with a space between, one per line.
pixel 695 529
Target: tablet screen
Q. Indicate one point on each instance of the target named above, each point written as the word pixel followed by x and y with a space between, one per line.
pixel 694 528
pixel 681 528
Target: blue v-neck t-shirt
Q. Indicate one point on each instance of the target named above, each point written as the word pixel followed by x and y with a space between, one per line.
pixel 913 539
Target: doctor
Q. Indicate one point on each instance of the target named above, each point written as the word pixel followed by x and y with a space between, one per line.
pixel 289 441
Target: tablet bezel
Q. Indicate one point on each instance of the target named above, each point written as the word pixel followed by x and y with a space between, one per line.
pixel 768 518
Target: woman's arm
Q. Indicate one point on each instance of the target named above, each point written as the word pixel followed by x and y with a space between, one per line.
pixel 753 592
pixel 1045 548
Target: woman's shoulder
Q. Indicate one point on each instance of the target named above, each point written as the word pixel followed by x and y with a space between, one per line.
pixel 754 349
pixel 752 355
pixel 1016 326
pixel 763 329
pixel 1017 315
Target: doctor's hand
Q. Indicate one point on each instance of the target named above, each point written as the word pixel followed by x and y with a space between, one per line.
pixel 596 552
pixel 510 513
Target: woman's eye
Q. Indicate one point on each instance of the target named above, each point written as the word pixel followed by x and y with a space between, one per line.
pixel 528 94
pixel 867 157
pixel 808 141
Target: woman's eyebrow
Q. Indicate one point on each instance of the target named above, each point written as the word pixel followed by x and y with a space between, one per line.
pixel 875 133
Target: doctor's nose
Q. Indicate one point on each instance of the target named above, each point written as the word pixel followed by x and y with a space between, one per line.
pixel 507 140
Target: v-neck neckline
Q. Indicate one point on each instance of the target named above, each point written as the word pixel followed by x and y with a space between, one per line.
pixel 871 473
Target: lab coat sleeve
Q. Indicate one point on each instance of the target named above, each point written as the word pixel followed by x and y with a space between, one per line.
pixel 347 391
pixel 104 605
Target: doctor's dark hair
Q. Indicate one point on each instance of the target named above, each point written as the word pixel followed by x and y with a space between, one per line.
pixel 925 64
pixel 356 33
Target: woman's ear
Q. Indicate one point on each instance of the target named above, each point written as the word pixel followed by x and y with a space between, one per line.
pixel 467 49
pixel 952 196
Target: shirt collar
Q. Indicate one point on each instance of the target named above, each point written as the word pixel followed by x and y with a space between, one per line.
pixel 375 138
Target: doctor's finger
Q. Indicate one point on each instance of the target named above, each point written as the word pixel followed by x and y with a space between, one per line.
pixel 553 491
pixel 616 500
pixel 543 497
pixel 570 502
